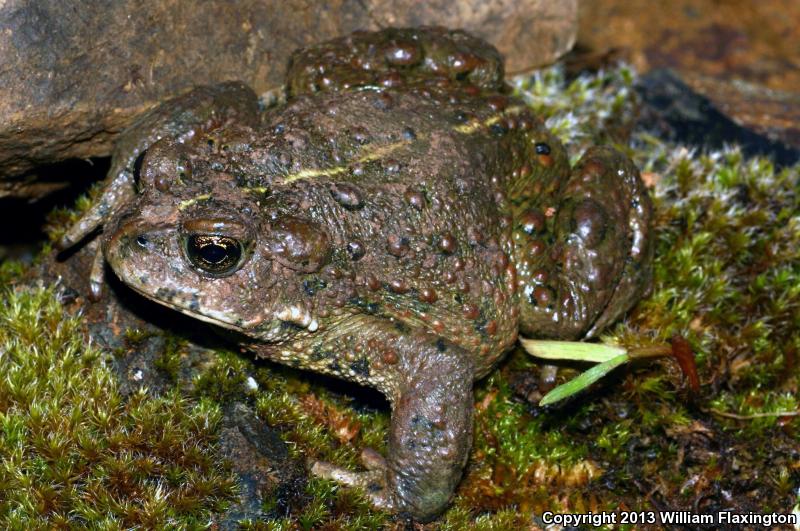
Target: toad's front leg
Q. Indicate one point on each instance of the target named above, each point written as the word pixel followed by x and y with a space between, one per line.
pixel 431 429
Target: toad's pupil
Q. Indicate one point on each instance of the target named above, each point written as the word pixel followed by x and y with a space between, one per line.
pixel 213 253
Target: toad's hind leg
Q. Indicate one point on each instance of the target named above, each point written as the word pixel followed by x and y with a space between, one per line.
pixel 394 57
pixel 599 258
pixel 430 433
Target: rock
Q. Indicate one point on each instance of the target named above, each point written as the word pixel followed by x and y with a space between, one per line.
pixel 76 72
pixel 742 56
pixel 672 110
pixel 772 113
pixel 733 39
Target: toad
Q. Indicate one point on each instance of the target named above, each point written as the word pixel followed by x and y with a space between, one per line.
pixel 397 222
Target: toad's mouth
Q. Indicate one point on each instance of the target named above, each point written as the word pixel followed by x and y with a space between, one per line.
pixel 283 324
pixel 188 306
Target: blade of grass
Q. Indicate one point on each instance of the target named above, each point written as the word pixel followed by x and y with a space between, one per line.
pixel 584 380
pixel 570 350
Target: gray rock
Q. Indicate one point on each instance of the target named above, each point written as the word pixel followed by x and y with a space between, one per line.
pixel 74 73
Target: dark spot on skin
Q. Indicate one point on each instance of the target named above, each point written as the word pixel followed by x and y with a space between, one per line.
pixel 279 129
pixel 542 297
pixel 184 168
pixel 397 246
pixel 589 222
pixel 475 236
pixel 533 222
pixel 371 308
pixel 461 117
pixel 392 166
pixel 335 367
pixel 384 101
pixel 360 367
pixel 403 53
pixel 470 311
pixel 194 304
pixel 415 199
pixel 409 134
pixel 428 295
pixel 318 354
pixel 165 293
pixel 355 250
pixel 401 327
pixel 497 103
pixel 312 286
pixel 448 243
pixel 440 345
pixel 347 195
pixel 389 357
pixel 542 148
pixel 361 136
pixel 291 327
pixel 498 129
pixel 398 286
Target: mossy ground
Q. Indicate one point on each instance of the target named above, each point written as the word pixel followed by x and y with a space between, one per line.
pixel 727 279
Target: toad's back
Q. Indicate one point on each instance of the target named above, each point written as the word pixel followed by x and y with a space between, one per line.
pixel 415 185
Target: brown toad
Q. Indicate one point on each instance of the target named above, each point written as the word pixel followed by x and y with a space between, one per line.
pixel 396 223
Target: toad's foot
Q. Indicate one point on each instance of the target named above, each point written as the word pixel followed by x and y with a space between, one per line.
pixel 430 431
pixel 600 262
pixel 373 481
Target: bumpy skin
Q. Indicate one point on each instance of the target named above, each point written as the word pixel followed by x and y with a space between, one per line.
pixel 396 223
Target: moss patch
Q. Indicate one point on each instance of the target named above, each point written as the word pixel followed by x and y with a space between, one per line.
pixel 727 279
pixel 73 452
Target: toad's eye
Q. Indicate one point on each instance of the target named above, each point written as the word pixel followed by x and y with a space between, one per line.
pixel 216 255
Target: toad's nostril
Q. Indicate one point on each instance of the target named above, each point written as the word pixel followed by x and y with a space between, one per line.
pixel 142 241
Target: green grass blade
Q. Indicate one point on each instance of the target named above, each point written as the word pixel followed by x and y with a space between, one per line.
pixel 570 350
pixel 583 381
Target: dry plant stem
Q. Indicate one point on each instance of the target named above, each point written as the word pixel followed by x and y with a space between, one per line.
pixel 754 415
pixel 653 351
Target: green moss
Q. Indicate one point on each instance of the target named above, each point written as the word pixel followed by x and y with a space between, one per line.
pixel 73 452
pixel 727 278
